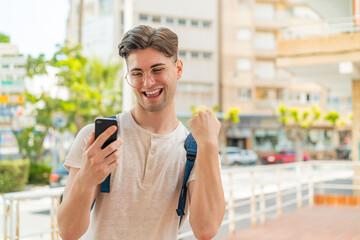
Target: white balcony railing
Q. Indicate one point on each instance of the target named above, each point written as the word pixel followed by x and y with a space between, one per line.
pixel 264 189
pixel 324 28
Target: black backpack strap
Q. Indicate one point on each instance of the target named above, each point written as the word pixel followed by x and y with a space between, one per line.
pixel 105 185
pixel 191 149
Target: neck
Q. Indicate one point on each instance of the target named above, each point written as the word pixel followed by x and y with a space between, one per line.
pixel 159 122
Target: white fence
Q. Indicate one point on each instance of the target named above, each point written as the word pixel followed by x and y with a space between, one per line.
pixel 266 189
pixel 262 189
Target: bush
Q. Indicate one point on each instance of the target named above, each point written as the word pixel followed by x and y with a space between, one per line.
pixel 14 175
pixel 39 173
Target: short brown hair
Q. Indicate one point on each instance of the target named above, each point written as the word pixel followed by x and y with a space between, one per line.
pixel 143 36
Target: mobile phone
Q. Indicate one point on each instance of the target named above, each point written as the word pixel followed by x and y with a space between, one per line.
pixel 101 124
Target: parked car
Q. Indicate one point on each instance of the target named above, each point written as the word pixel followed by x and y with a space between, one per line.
pixel 238 156
pixel 59 176
pixel 285 156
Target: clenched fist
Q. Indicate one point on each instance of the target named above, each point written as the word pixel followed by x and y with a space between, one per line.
pixel 205 127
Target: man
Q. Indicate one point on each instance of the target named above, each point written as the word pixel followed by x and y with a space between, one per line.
pixel 147 161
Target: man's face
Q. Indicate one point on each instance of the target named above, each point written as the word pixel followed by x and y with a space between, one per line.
pixel 158 89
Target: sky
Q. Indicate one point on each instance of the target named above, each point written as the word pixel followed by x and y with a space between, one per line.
pixel 35 26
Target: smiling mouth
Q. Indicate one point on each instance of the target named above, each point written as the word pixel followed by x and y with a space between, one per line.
pixel 153 94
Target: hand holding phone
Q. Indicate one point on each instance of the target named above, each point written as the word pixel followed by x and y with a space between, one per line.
pixel 101 124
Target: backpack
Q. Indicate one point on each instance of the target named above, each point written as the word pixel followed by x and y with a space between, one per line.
pixel 191 149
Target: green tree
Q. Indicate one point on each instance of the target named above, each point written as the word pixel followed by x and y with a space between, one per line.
pixel 296 125
pixel 4 38
pixel 334 120
pixel 92 86
pixel 92 90
pixel 30 139
pixel 36 66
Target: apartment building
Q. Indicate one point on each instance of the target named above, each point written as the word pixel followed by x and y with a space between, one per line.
pixel 12 74
pixel 196 26
pixel 251 77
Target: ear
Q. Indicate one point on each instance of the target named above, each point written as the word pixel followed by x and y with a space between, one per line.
pixel 179 67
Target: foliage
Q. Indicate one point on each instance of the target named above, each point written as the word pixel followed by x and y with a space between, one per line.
pixel 296 124
pixel 91 84
pixel 13 175
pixel 233 115
pixel 332 117
pixel 92 91
pixel 30 140
pixel 294 117
pixel 39 173
pixel 36 66
pixel 4 38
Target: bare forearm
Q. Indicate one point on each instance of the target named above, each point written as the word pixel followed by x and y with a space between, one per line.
pixel 74 211
pixel 207 201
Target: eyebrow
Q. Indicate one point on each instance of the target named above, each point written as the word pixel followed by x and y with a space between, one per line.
pixel 152 66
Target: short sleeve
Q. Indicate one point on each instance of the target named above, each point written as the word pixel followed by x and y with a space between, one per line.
pixel 74 157
pixel 192 173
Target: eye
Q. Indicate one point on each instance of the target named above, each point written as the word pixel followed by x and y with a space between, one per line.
pixel 157 70
pixel 136 74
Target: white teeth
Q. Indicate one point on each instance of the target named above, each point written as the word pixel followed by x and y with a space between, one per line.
pixel 153 92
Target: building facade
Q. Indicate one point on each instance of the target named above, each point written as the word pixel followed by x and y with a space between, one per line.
pixel 253 80
pixel 103 27
pixel 230 51
pixel 12 75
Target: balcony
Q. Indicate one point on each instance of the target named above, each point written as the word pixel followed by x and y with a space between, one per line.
pixel 270 25
pixel 282 79
pixel 265 53
pixel 322 43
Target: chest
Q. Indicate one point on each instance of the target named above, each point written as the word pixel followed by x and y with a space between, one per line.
pixel 149 161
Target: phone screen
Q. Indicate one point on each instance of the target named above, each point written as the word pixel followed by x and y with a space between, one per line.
pixel 101 124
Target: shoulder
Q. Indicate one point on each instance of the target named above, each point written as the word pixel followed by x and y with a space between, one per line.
pixel 183 130
pixel 85 133
pixel 87 130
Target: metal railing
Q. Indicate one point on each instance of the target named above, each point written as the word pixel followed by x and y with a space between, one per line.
pixel 11 212
pixel 322 28
pixel 266 189
pixel 263 190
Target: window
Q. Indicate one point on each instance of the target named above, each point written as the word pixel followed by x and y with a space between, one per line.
pixel 243 64
pixel 312 98
pixel 349 103
pixel 143 17
pixel 207 55
pixel 169 20
pixel 206 24
pixel 182 54
pixel 264 11
pixel 283 94
pixel 265 69
pixel 19 66
pixel 265 40
pixel 194 54
pixel 243 34
pixel 194 23
pixel 315 97
pixel 156 19
pixel 244 94
pixel 182 21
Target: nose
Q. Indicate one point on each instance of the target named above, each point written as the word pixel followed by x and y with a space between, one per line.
pixel 148 81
